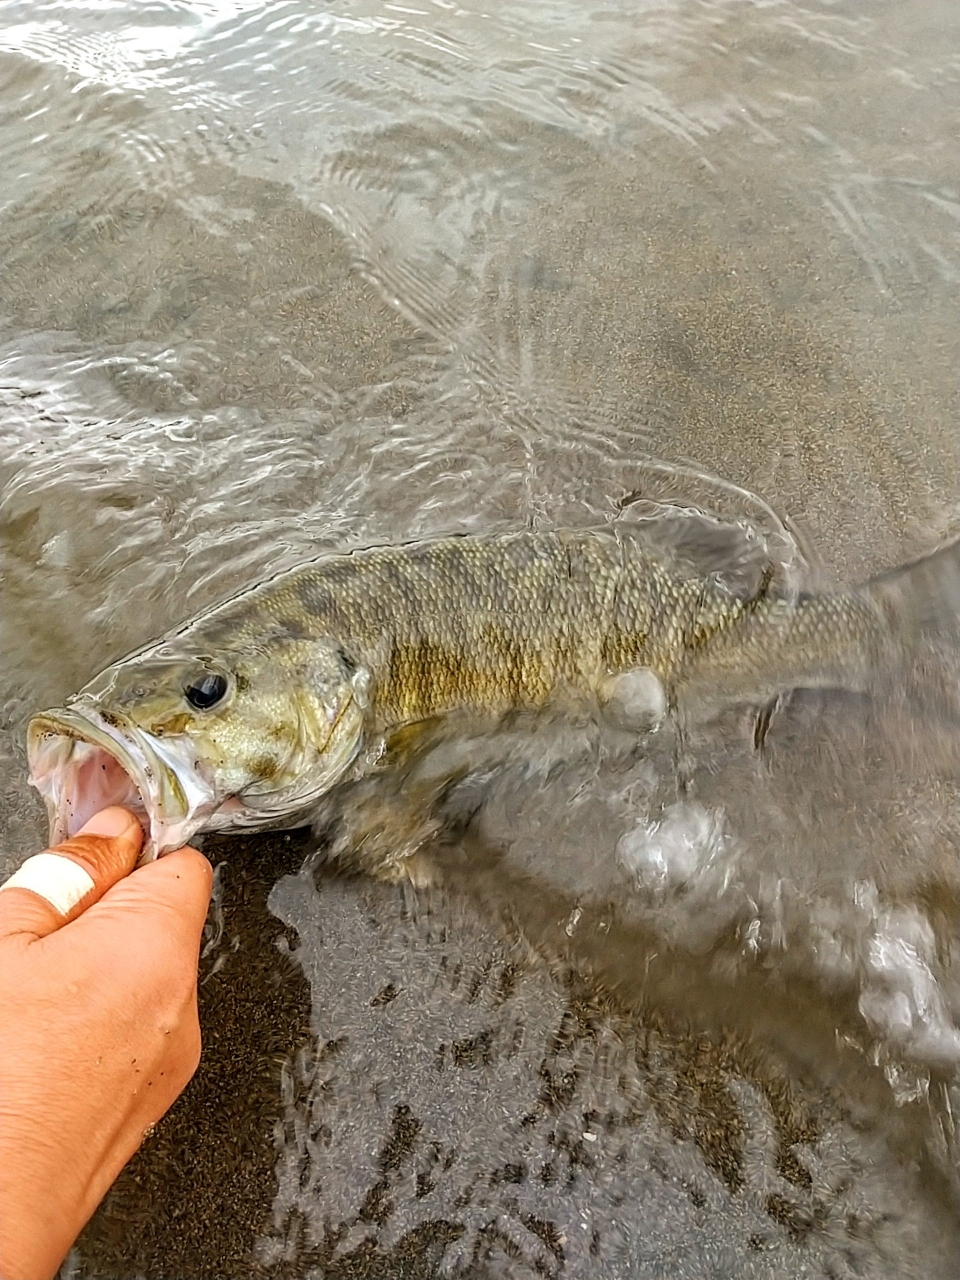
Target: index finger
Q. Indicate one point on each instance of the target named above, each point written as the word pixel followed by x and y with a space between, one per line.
pixel 179 884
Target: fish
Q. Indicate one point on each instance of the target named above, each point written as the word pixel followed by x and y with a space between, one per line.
pixel 252 714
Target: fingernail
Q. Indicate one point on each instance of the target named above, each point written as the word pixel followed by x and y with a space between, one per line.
pixel 108 822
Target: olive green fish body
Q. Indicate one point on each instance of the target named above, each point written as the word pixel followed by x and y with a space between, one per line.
pixel 478 624
pixel 503 622
pixel 253 712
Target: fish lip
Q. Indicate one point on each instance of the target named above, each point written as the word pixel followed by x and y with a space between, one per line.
pixel 175 798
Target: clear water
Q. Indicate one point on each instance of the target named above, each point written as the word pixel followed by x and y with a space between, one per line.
pixel 275 277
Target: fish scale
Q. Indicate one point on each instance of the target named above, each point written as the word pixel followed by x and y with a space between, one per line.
pixel 505 621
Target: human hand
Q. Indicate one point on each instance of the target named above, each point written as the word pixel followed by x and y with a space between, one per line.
pixel 98 1030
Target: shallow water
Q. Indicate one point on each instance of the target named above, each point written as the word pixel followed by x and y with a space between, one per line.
pixel 282 277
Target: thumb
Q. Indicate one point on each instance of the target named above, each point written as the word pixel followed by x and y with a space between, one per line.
pixel 52 888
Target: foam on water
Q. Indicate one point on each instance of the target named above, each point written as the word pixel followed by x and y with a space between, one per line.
pixel 702 881
pixel 901 998
pixel 687 848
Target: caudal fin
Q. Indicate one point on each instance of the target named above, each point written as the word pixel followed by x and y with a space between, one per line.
pixel 921 598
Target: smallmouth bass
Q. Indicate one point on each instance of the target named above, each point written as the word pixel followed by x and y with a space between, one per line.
pixel 249 715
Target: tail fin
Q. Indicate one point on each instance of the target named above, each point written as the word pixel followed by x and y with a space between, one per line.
pixel 844 639
pixel 921 598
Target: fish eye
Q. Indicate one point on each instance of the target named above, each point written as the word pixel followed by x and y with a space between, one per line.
pixel 205 690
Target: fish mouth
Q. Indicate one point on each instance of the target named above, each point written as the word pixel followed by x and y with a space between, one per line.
pixel 81 762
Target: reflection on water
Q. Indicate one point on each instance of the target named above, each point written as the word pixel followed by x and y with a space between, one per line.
pixel 279 277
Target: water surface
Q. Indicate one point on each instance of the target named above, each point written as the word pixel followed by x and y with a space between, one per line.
pixel 283 277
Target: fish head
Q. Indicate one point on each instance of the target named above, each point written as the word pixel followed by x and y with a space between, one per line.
pixel 194 739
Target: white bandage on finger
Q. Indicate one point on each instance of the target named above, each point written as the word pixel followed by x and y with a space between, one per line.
pixel 60 880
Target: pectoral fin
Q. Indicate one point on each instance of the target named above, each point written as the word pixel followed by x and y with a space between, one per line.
pixel 634 700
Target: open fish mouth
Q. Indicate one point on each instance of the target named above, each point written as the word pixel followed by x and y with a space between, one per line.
pixel 82 762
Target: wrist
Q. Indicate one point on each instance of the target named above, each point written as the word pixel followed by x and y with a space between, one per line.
pixel 43 1200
